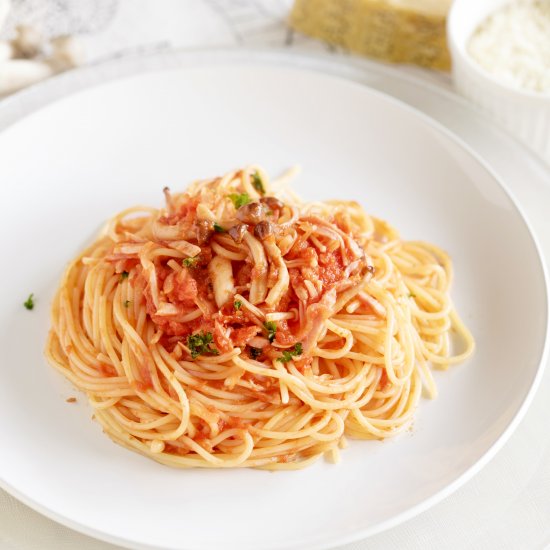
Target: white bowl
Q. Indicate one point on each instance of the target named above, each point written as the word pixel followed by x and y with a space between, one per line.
pixel 524 113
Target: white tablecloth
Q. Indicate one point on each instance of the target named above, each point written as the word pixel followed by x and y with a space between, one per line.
pixel 506 505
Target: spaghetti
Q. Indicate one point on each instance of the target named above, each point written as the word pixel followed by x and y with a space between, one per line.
pixel 239 326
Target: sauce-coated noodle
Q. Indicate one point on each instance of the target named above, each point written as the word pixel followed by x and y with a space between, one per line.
pixel 239 326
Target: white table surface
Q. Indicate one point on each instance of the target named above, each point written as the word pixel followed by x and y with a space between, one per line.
pixel 506 505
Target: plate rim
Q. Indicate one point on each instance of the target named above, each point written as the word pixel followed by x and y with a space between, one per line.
pixel 278 57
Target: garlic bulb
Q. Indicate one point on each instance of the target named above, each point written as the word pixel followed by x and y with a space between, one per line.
pixel 67 52
pixel 6 51
pixel 18 73
pixel 28 41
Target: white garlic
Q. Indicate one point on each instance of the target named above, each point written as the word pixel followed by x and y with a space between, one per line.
pixel 18 73
pixel 27 42
pixel 6 51
pixel 67 52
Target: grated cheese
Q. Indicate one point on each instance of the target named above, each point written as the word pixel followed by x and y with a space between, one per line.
pixel 513 45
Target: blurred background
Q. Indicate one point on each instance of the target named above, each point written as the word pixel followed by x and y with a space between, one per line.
pixel 410 31
pixel 497 51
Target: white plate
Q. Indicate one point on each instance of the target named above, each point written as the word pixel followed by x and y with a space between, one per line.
pixel 71 165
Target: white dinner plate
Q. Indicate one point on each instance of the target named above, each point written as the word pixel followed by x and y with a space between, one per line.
pixel 68 167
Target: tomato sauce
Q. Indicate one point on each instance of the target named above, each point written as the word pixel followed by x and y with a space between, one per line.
pixel 234 326
pixel 107 370
pixel 187 212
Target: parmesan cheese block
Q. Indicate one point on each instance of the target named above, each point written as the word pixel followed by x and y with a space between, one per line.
pixel 401 31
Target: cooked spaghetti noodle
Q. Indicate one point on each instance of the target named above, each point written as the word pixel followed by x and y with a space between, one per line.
pixel 239 326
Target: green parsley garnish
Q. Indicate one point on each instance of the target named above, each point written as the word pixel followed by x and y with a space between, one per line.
pixel 239 200
pixel 127 303
pixel 218 228
pixel 258 183
pixel 190 262
pixel 237 304
pixel 199 344
pixel 123 275
pixel 255 353
pixel 271 327
pixel 29 304
pixel 412 295
pixel 289 354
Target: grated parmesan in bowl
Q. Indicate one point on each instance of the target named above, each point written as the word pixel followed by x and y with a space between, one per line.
pixel 513 45
pixel 500 52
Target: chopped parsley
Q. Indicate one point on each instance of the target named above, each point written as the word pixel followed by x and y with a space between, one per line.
pixel 190 262
pixel 127 303
pixel 218 228
pixel 239 200
pixel 199 344
pixel 237 304
pixel 271 327
pixel 412 295
pixel 258 183
pixel 255 353
pixel 123 275
pixel 289 354
pixel 29 303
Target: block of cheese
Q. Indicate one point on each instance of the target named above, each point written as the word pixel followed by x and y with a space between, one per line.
pixel 401 31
